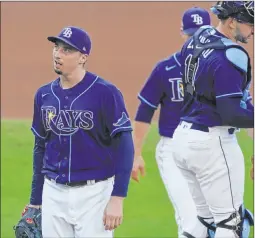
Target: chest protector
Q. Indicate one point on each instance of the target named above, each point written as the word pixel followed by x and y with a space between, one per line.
pixel 236 54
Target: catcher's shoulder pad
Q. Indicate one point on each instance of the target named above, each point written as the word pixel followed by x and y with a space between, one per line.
pixel 29 226
pixel 236 54
pixel 227 42
pixel 237 57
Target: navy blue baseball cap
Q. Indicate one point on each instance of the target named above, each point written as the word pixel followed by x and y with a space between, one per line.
pixel 193 19
pixel 75 37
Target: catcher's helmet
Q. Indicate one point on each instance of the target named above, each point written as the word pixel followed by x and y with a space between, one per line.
pixel 242 11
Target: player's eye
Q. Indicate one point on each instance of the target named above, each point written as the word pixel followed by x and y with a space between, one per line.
pixel 67 50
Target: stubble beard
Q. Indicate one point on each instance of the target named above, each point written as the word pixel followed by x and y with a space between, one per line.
pixel 57 71
pixel 239 37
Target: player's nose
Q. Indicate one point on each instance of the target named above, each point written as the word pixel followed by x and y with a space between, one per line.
pixel 56 56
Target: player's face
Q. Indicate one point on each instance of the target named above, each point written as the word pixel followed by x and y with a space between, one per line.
pixel 184 36
pixel 66 59
pixel 243 32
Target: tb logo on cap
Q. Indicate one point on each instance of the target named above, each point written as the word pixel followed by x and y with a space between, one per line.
pixel 197 19
pixel 67 32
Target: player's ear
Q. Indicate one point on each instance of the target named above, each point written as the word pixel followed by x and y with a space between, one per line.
pixel 232 23
pixel 83 58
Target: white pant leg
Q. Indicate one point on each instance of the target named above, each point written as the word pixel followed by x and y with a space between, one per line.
pixel 89 206
pixel 195 228
pixel 70 212
pixel 229 181
pixel 176 186
pixel 217 162
pixel 55 217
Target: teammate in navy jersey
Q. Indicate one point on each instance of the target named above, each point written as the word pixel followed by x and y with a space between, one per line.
pixel 164 88
pixel 216 79
pixel 83 152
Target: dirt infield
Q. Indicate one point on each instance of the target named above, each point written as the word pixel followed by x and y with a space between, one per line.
pixel 128 38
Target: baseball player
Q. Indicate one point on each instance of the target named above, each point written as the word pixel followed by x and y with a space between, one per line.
pixel 216 77
pixel 164 88
pixel 84 150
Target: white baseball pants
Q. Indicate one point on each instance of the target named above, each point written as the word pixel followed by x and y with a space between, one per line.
pixel 75 211
pixel 176 186
pixel 213 164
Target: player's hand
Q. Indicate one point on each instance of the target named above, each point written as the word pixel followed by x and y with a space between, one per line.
pixel 30 223
pixel 138 167
pixel 35 206
pixel 31 206
pixel 252 168
pixel 113 214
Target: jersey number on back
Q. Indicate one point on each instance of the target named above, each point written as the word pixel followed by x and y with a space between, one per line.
pixel 205 53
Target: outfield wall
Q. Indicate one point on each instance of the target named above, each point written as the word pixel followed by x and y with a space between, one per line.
pixel 128 39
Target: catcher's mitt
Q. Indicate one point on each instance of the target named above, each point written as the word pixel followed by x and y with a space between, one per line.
pixel 29 226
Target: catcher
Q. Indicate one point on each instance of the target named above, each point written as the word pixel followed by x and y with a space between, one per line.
pixel 29 226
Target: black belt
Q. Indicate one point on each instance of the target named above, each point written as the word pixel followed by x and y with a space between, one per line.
pixel 204 128
pixel 79 183
pixel 199 127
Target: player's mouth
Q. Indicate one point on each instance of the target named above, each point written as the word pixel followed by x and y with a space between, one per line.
pixel 57 63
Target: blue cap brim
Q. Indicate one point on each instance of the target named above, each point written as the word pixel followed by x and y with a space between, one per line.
pixel 57 38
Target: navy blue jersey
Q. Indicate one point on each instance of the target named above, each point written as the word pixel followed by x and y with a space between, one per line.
pixel 78 125
pixel 215 77
pixel 164 88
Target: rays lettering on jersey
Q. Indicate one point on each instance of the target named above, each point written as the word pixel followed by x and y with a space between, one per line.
pixel 177 89
pixel 66 122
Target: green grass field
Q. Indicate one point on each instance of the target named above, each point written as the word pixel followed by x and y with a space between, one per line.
pixel 147 211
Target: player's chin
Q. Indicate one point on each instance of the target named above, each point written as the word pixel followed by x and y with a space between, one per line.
pixel 57 71
pixel 245 40
pixel 248 38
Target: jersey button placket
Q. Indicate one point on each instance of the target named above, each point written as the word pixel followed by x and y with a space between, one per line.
pixel 66 103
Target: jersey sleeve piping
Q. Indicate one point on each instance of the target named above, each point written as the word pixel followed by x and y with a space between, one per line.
pixel 120 129
pixel 36 133
pixel 229 94
pixel 146 101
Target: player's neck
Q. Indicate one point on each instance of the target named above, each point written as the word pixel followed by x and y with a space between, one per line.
pixel 226 32
pixel 70 80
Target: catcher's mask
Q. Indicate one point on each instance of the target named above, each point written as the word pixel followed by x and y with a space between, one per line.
pixel 242 11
